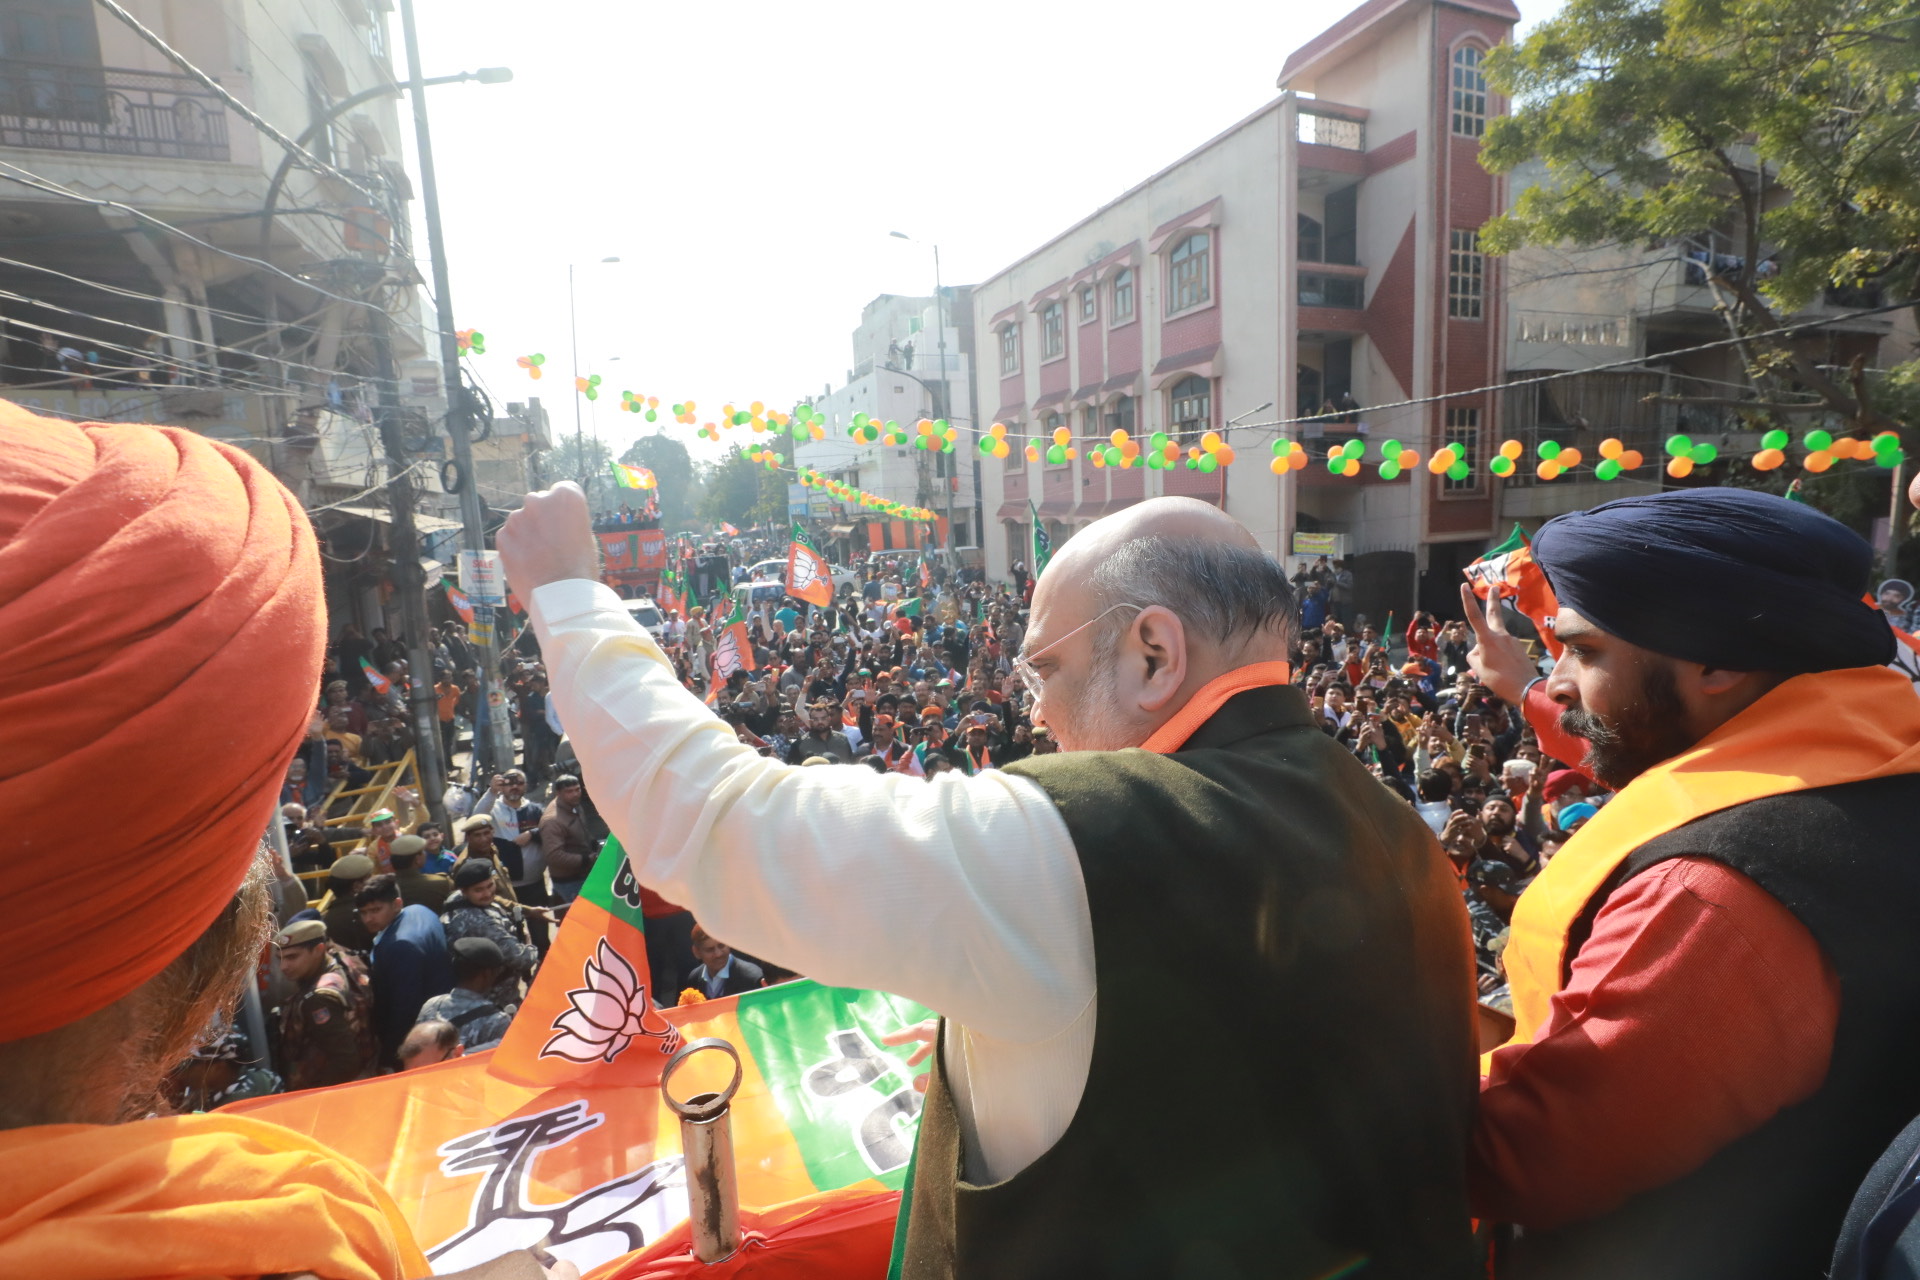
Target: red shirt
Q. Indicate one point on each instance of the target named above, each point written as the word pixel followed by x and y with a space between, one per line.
pixel 1697 1009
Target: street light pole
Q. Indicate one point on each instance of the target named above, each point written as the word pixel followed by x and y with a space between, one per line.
pixel 946 389
pixel 573 331
pixel 492 732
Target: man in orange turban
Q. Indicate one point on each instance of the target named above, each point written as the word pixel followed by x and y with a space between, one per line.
pixel 148 577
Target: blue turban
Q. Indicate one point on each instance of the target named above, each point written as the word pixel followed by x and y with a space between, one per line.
pixel 1728 578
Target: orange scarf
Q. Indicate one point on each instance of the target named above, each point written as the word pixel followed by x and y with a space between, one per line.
pixel 1814 730
pixel 1208 699
pixel 199 1195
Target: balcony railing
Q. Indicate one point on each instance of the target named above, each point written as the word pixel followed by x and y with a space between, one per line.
pixel 1331 131
pixel 109 111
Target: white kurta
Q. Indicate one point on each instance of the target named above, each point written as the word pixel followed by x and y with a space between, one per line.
pixel 964 894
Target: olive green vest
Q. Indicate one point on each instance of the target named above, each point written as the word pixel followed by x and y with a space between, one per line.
pixel 1283 1072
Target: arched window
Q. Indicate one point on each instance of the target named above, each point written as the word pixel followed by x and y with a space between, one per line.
pixel 1188 276
pixel 1192 406
pixel 1123 296
pixel 1053 331
pixel 1310 246
pixel 1469 92
pixel 1120 416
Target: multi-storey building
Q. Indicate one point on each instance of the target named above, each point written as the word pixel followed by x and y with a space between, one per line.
pixel 900 375
pixel 163 259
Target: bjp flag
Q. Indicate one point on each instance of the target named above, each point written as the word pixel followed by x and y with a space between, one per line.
pixel 1511 571
pixel 560 1138
pixel 809 576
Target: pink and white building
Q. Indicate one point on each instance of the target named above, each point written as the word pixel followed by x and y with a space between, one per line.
pixel 1321 252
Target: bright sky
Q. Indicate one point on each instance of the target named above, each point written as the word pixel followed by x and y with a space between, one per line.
pixel 746 162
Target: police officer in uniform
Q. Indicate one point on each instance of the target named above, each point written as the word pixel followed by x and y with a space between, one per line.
pixel 417 888
pixel 326 1030
pixel 344 879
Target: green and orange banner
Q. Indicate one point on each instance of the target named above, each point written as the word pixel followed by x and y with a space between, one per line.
pixel 1510 571
pixel 560 1138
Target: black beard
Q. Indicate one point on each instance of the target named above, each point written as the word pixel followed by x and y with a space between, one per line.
pixel 1649 729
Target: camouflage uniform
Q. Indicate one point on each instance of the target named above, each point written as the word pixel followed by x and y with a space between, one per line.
pixel 505 927
pixel 326 1032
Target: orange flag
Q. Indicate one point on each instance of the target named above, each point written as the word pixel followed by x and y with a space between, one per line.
pixel 560 1138
pixel 809 576
pixel 1511 571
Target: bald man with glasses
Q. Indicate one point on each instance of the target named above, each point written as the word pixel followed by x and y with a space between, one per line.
pixel 1291 1097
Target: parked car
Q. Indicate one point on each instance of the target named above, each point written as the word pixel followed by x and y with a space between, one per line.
pixel 645 612
pixel 844 579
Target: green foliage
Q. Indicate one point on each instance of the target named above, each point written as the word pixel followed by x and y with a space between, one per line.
pixel 743 492
pixel 1790 127
pixel 564 462
pixel 671 465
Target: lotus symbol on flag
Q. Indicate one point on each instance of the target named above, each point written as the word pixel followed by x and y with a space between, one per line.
pixel 806 572
pixel 608 1013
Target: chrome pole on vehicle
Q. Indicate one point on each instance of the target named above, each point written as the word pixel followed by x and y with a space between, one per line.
pixel 706 1140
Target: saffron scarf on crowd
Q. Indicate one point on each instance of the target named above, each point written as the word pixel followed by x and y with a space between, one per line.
pixel 1814 730
pixel 199 1195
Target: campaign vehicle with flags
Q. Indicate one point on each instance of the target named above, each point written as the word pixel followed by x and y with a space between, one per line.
pixel 809 576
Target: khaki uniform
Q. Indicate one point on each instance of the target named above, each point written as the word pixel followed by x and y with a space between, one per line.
pixel 423 889
pixel 343 923
pixel 326 1032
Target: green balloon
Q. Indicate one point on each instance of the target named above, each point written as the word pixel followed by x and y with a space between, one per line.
pixel 1890 459
pixel 1702 454
pixel 946 446
pixel 1501 465
pixel 1336 462
pixel 1774 439
pixel 892 425
pixel 1156 462
pixel 1158 442
pixel 861 419
pixel 1678 446
pixel 1548 450
pixel 1609 469
pixel 986 446
pixel 940 425
pixel 1114 456
pixel 593 393
pixel 1818 440
pixel 653 415
pixel 1390 449
pixel 1458 471
pixel 1207 462
pixel 679 409
pixel 1459 450
pixel 1193 463
pixel 1390 470
pixel 1353 448
pixel 741 417
pixel 1056 454
pixel 1886 444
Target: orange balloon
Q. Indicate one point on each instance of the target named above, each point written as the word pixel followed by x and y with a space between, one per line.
pixel 1819 461
pixel 1099 459
pixel 1172 452
pixel 1631 459
pixel 1130 450
pixel 1439 462
pixel 756 408
pixel 1680 468
pixel 1611 448
pixel 1567 459
pixel 1118 438
pixel 1225 454
pixel 1211 442
pixel 1333 453
pixel 1060 434
pixel 1280 466
pixel 998 430
pixel 1000 450
pixel 1408 459
pixel 1769 459
pixel 1351 469
pixel 1511 449
pixel 1548 470
pixel 1845 447
pixel 1033 453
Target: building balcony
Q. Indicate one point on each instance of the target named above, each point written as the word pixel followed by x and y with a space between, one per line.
pixel 110 111
pixel 1330 298
pixel 1331 136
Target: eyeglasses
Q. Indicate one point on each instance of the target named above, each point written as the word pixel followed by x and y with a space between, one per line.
pixel 1023 665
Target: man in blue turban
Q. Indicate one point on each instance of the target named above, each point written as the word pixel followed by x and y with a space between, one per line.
pixel 1716 982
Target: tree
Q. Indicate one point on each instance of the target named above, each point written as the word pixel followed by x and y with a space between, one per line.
pixel 743 492
pixel 564 462
pixel 1790 126
pixel 672 467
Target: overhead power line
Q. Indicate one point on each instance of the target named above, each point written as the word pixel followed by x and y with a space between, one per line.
pixel 219 90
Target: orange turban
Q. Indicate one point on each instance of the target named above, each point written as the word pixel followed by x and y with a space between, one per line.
pixel 161 630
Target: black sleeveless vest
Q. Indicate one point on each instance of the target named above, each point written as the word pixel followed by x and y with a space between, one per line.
pixel 1283 1072
pixel 1768 1206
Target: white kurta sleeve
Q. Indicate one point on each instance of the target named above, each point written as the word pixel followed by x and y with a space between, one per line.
pixel 964 894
